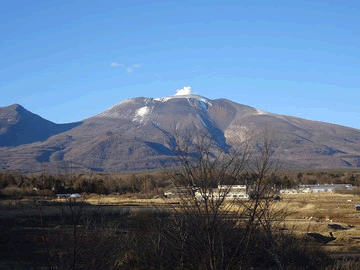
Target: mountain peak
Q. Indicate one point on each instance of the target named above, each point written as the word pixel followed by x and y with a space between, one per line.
pixel 142 107
pixel 182 93
pixel 12 113
pixel 180 96
pixel 16 106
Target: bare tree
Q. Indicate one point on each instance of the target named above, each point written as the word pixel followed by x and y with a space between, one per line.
pixel 220 230
pixel 205 217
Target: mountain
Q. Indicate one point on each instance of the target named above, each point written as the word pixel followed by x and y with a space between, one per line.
pixel 19 126
pixel 134 135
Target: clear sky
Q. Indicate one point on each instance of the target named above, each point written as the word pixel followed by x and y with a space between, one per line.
pixel 69 60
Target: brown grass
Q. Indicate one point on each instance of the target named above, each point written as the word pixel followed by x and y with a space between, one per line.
pixel 306 213
pixel 314 212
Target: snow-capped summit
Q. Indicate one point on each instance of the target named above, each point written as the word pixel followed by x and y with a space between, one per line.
pixel 135 134
pixel 182 93
pixel 141 108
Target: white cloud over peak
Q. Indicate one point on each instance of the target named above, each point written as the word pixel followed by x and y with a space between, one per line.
pixel 185 91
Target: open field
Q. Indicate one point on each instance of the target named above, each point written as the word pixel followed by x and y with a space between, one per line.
pixel 330 221
pixel 321 214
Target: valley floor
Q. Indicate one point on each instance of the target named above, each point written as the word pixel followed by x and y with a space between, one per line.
pixel 330 220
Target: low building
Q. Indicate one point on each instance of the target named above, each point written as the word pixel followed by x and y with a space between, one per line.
pixel 326 187
pixel 316 188
pixel 227 192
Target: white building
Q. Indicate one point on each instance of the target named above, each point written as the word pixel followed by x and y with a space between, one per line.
pixel 316 188
pixel 228 192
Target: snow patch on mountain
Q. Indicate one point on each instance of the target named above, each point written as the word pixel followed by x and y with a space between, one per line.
pixel 142 111
pixel 199 98
pixel 204 103
pixel 162 99
pixel 261 112
pixel 201 119
pixel 141 115
pixel 186 93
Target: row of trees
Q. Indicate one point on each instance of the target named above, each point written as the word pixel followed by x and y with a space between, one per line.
pixel 152 183
pixel 329 177
pixel 84 183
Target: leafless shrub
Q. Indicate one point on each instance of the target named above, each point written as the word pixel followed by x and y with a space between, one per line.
pixel 14 193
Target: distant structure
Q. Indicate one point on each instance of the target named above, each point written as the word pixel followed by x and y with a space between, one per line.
pixel 316 188
pixel 241 192
pixel 234 192
pixel 226 192
pixel 72 195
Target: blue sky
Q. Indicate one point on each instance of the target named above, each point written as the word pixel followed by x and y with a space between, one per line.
pixel 68 60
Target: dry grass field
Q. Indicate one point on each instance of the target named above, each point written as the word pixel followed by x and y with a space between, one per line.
pixel 315 214
pixel 327 217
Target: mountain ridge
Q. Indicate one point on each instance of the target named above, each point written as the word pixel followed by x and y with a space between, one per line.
pixel 19 126
pixel 134 135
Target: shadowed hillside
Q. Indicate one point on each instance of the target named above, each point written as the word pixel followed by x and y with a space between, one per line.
pixel 19 126
pixel 137 134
